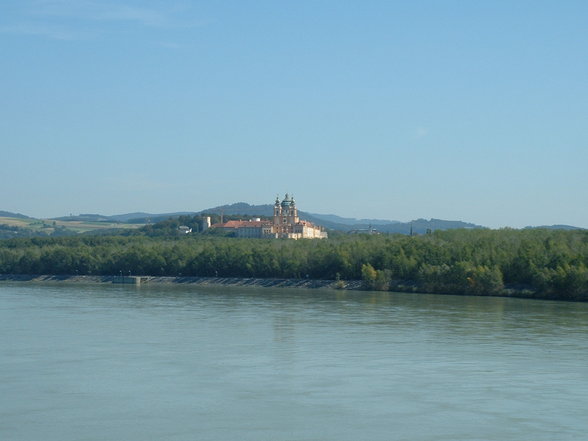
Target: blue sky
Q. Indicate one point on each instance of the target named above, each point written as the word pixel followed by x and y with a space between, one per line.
pixel 461 110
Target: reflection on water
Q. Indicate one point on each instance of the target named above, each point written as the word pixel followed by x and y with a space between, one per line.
pixel 185 363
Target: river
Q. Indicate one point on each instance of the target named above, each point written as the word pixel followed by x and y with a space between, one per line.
pixel 169 363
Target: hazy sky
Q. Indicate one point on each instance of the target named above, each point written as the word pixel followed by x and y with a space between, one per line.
pixel 461 110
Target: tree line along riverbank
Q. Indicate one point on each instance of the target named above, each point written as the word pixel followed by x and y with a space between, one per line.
pixel 533 263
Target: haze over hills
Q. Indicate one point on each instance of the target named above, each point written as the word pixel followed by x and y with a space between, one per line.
pixel 239 208
pixel 555 227
pixel 334 222
pixel 93 223
pixel 353 221
pixel 13 215
pixel 137 217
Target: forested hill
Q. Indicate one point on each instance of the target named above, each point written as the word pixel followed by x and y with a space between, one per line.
pixel 13 215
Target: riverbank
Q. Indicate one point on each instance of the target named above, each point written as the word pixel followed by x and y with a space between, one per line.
pixel 205 281
pixel 355 285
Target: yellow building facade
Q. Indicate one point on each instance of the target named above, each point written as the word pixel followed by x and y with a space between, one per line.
pixel 285 224
pixel 288 225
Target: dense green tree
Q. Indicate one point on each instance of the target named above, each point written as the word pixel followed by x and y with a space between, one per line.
pixel 551 263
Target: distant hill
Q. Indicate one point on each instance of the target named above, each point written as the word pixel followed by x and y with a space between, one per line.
pixel 84 218
pixel 338 223
pixel 82 223
pixel 13 215
pixel 15 226
pixel 352 221
pixel 143 218
pixel 241 208
pixel 421 226
pixel 123 218
pixel 555 227
pixel 327 220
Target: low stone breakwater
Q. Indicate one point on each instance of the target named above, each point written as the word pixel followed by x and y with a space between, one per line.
pixel 206 281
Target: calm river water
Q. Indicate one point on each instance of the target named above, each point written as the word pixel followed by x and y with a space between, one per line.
pixel 101 362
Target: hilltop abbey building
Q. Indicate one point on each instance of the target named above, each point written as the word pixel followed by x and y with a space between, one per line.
pixel 285 224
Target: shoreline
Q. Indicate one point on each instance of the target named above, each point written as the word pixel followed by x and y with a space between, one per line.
pixel 345 285
pixel 199 281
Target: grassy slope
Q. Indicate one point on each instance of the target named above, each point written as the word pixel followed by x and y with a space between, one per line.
pixel 48 226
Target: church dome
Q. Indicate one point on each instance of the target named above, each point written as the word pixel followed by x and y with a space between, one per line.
pixel 287 201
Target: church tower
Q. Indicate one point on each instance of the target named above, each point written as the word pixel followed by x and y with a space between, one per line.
pixel 289 210
pixel 277 212
pixel 285 215
pixel 287 224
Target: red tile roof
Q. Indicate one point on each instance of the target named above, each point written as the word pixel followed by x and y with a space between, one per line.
pixel 242 224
